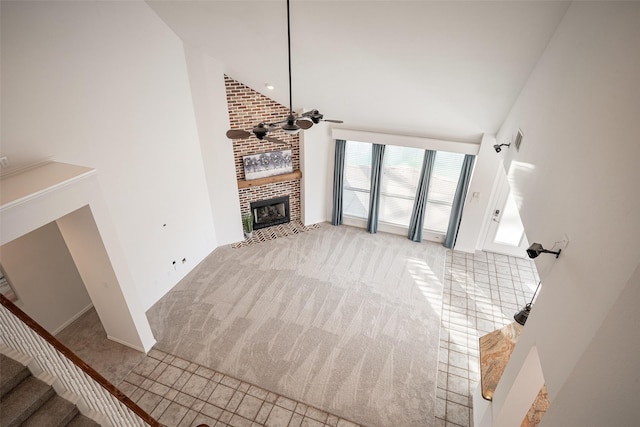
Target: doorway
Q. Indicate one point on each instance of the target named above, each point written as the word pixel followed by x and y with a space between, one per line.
pixel 505 232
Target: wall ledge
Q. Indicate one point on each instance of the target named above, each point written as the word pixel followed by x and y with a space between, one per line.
pixel 244 183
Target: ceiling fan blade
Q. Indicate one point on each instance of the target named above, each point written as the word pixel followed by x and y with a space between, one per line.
pixel 238 134
pixel 304 124
pixel 275 140
pixel 332 121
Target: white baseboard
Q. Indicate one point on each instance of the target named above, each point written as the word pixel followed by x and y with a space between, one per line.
pixel 386 227
pixel 73 319
pixel 140 349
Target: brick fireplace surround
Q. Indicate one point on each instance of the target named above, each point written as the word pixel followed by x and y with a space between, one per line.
pixel 247 108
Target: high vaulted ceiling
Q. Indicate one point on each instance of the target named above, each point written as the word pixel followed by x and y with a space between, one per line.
pixel 441 69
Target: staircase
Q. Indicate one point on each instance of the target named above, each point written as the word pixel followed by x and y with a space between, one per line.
pixel 27 401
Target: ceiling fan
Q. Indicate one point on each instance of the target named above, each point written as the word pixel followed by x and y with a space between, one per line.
pixel 292 124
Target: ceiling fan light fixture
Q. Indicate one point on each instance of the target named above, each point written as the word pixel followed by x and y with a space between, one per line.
pixel 290 129
pixel 260 131
pixel 316 116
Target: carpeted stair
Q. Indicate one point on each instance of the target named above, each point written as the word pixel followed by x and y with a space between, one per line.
pixel 27 401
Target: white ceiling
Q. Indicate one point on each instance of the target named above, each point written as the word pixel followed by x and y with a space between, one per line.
pixel 445 69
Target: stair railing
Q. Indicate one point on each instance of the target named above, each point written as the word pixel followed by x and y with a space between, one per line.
pixel 24 335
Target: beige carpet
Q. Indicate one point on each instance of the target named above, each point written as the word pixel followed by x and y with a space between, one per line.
pixel 336 317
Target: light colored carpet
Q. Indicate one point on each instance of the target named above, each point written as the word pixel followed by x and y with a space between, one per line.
pixel 336 317
pixel 88 340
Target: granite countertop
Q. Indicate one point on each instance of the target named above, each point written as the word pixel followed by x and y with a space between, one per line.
pixel 495 350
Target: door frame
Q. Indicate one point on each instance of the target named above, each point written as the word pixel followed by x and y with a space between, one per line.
pixel 498 201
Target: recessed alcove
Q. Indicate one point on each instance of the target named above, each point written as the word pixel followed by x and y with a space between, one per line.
pixel 70 196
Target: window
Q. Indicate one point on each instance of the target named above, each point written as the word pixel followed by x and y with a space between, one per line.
pixel 401 174
pixel 442 189
pixel 357 179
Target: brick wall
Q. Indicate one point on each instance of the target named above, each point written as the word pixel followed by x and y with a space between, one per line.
pixel 247 108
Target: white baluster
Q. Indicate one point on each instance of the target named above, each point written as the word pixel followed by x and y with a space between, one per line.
pixel 21 338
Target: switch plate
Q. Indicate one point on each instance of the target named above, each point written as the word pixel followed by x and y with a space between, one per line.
pixel 564 242
pixel 4 162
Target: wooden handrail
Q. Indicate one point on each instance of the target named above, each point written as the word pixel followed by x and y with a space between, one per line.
pixel 35 326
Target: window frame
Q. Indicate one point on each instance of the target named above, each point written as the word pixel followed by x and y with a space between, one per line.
pixel 424 143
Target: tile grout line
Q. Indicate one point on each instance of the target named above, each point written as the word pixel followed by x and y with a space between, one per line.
pixel 145 380
pixel 479 296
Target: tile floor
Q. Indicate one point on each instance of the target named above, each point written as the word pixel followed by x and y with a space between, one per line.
pixel 274 232
pixel 180 393
pixel 482 291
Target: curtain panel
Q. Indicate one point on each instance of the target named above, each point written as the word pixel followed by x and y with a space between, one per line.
pixel 338 181
pixel 458 201
pixel 416 223
pixel 377 158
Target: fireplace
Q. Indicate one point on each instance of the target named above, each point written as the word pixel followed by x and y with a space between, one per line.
pixel 270 212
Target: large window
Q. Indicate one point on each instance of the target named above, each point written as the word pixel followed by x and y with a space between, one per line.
pixel 400 176
pixel 399 183
pixel 357 179
pixel 442 189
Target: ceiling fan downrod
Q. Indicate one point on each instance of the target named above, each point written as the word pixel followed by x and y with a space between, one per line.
pixel 292 124
pixel 290 128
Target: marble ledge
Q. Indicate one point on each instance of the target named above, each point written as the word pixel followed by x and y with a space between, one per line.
pixel 537 410
pixel 495 350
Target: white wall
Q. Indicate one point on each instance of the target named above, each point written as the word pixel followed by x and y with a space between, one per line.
pixel 606 378
pixel 71 196
pixel 45 278
pixel 206 77
pixel 577 173
pixel 105 85
pixel 316 163
pixel 479 196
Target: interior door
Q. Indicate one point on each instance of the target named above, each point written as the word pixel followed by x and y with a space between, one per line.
pixel 505 233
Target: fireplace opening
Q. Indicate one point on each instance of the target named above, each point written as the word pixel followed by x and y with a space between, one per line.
pixel 270 212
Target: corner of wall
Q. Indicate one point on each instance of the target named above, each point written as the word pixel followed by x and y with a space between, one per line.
pixel 206 80
pixel 246 108
pixel 476 209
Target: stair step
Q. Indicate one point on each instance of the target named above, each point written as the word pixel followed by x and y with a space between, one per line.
pixel 56 412
pixel 11 374
pixel 23 401
pixel 82 421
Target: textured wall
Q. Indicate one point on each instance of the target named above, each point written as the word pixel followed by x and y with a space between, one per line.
pixel 247 108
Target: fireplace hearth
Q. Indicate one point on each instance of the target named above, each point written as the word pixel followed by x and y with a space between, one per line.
pixel 270 212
